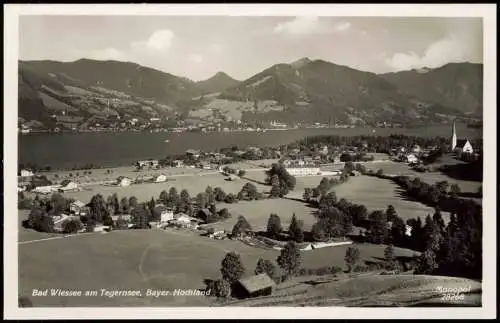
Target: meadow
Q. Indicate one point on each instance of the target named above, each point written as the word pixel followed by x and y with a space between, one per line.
pixel 142 259
pixel 377 194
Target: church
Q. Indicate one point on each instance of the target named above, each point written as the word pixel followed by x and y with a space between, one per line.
pixel 461 145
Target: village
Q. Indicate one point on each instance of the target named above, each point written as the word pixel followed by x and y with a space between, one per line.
pixel 217 215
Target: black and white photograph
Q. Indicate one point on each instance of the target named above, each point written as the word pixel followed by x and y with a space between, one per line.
pixel 250 159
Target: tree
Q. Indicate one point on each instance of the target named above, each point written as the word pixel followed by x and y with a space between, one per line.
pixel 351 257
pixel 151 204
pixel 290 259
pixel 232 267
pixel 389 253
pixel 124 205
pixel 274 225
pixel 115 203
pixel 173 198
pixel 276 190
pixel 328 200
pixel 331 220
pixel 380 172
pixel 295 230
pixel 140 217
pixel 163 197
pixel 222 288
pixel 220 195
pixel 455 190
pixel 132 202
pixel 442 186
pixel 426 263
pixel 184 200
pixel 248 192
pixel 241 173
pixel 98 208
pixel 241 226
pixel 390 213
pixel 307 194
pixel 398 233
pixel 266 266
pixel 359 214
pixel 202 200
pixel 35 217
pixel 318 233
pixel 71 226
pixel 210 195
pixel 230 198
pixel 378 227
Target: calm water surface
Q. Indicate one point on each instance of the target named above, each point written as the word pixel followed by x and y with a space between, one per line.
pixel 124 148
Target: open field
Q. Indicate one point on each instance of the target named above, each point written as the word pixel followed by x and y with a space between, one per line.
pixel 394 168
pixel 368 290
pixel 377 194
pixel 142 259
pixel 257 213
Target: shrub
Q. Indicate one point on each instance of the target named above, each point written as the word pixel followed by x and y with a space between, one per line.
pixel 222 288
pixel 72 226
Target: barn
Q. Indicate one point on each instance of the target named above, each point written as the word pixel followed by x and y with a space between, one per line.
pixel 254 286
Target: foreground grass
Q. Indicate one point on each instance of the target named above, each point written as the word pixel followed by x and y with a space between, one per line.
pixel 142 259
pixel 371 289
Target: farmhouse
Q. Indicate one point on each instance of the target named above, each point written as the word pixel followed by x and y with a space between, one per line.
pixel 58 224
pixel 68 185
pixel 123 181
pixel 26 173
pixel 44 189
pixel 193 153
pixel 147 163
pixel 159 178
pixel 411 159
pixel 78 207
pixel 254 286
pixel 177 163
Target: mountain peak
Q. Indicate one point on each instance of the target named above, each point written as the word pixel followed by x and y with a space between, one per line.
pixel 301 62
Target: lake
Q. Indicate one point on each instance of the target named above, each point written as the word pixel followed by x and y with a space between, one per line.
pixel 125 148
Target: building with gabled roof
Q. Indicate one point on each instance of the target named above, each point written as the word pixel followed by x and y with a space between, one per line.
pixel 254 286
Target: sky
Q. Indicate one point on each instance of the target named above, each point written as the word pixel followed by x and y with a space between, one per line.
pixel 197 47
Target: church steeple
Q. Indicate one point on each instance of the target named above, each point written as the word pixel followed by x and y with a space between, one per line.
pixel 453 137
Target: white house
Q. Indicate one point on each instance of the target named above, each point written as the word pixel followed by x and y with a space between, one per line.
pixel 26 173
pixel 411 158
pixel 160 178
pixel 44 189
pixel 303 171
pixel 166 216
pixel 68 185
pixel 77 207
pixel 178 163
pixel 464 146
pixel 123 181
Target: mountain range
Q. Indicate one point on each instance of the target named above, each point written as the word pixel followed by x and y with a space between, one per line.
pixel 302 91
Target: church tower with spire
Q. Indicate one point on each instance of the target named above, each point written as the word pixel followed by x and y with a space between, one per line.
pixel 453 137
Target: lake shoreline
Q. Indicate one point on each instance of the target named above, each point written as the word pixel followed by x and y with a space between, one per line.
pixel 107 150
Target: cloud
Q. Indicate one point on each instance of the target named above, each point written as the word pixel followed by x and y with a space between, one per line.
pixel 299 26
pixel 159 41
pixel 343 26
pixel 197 58
pixel 441 52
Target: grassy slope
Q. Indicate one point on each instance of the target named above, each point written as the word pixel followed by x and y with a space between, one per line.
pixel 366 290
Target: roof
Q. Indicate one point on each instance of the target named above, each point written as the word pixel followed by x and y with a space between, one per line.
pixel 206 211
pixel 461 143
pixel 122 177
pixel 66 182
pixel 78 203
pixel 256 283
